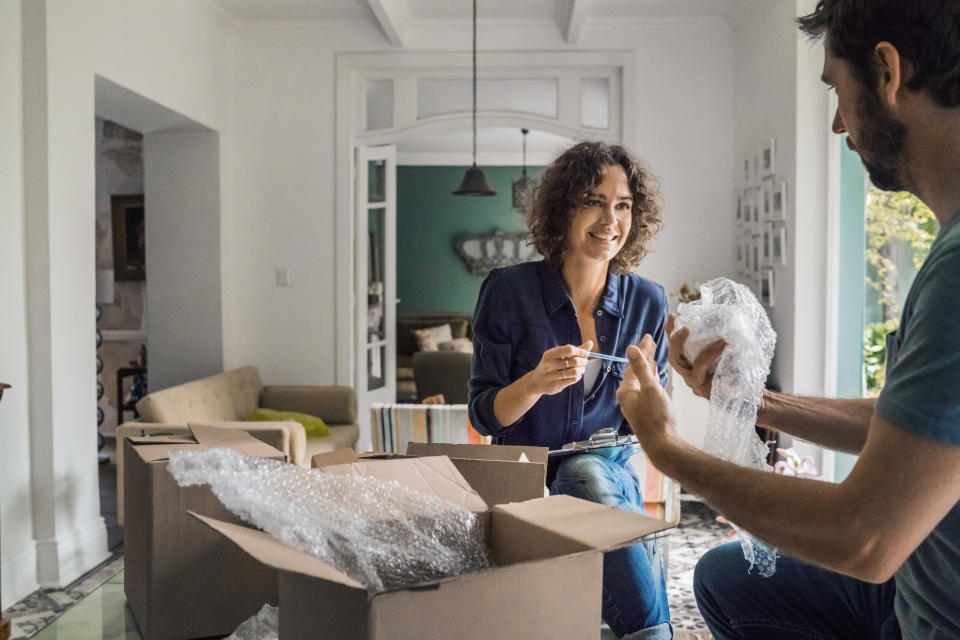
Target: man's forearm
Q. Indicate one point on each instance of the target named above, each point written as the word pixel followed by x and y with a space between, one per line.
pixel 793 514
pixel 840 424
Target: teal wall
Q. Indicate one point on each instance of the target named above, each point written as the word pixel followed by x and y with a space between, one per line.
pixel 851 290
pixel 430 274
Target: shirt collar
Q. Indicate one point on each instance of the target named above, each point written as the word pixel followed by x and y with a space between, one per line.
pixel 555 294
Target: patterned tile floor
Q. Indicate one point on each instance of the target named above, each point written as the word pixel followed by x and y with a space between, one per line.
pixel 696 533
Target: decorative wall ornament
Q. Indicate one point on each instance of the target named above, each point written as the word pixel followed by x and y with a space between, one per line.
pixel 482 252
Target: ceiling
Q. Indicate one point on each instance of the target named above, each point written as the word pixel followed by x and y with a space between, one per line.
pixel 395 15
pixel 395 19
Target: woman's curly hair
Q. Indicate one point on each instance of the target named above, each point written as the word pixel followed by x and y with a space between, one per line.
pixel 561 192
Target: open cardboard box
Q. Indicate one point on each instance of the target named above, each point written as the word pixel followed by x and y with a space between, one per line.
pixel 183 580
pixel 544 583
pixel 484 466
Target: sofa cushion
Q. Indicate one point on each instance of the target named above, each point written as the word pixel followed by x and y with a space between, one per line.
pixel 227 396
pixel 406 344
pixel 429 337
pixel 463 345
pixel 313 426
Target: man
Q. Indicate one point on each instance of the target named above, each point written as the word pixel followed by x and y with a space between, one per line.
pixel 878 555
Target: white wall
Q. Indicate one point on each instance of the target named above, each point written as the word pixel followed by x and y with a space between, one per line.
pixel 176 53
pixel 17 548
pixel 779 95
pixel 182 204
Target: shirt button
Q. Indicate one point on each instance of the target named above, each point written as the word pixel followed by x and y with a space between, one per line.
pixel 599 312
pixel 603 338
pixel 574 421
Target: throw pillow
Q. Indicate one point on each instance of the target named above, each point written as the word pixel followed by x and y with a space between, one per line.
pixel 313 426
pixel 429 338
pixel 463 345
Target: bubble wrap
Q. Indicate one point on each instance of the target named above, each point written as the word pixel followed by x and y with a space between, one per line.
pixel 263 626
pixel 380 533
pixel 730 311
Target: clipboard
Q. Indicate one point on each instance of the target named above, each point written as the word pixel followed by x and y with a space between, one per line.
pixel 602 439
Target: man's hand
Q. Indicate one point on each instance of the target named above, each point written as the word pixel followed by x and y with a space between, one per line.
pixel 699 374
pixel 643 401
pixel 560 367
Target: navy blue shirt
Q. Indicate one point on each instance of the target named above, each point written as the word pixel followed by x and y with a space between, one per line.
pixel 526 309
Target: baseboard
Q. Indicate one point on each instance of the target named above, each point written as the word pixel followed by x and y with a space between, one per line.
pixel 62 560
pixel 18 571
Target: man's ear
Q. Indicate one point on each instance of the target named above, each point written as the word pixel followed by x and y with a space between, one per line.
pixel 891 75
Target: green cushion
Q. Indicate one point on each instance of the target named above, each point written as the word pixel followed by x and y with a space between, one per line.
pixel 315 427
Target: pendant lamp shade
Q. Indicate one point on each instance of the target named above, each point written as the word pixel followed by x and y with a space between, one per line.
pixel 524 186
pixel 474 182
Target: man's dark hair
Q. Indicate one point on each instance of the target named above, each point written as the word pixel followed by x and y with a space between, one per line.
pixel 561 192
pixel 925 32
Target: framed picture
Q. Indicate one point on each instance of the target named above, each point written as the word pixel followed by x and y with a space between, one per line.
pixel 746 199
pixel 766 246
pixel 768 158
pixel 778 200
pixel 778 245
pixel 766 194
pixel 129 253
pixel 755 252
pixel 766 296
pixel 755 174
pixel 756 203
pixel 747 169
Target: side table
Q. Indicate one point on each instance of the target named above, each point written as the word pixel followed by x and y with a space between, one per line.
pixel 122 373
pixel 4 622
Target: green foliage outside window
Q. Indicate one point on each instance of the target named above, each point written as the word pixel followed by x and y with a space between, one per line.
pixel 893 220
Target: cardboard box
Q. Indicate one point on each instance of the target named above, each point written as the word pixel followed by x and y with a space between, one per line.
pixel 499 473
pixel 181 579
pixel 545 582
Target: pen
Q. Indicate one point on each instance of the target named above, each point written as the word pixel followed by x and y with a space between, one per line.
pixel 603 356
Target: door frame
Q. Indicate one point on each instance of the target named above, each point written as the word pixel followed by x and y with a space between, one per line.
pixel 354 68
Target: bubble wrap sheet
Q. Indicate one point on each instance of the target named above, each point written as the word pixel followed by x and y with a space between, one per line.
pixel 263 626
pixel 380 533
pixel 730 311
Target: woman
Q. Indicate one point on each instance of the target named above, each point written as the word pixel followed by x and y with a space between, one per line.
pixel 532 382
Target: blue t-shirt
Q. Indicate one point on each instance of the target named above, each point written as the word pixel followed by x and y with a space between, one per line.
pixel 922 396
pixel 524 310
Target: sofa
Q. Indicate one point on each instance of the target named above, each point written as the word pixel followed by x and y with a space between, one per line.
pixel 225 400
pixel 228 397
pixel 407 322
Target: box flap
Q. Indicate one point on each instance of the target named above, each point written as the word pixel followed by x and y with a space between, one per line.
pixel 595 525
pixel 508 453
pixel 330 458
pixel 434 476
pixel 274 553
pixel 236 439
pixel 157 448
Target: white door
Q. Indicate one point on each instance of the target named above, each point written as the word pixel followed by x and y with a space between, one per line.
pixel 375 288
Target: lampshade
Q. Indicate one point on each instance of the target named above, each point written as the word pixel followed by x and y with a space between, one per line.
pixel 104 286
pixel 474 182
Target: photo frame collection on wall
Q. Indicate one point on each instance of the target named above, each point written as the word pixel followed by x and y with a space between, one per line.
pixel 761 222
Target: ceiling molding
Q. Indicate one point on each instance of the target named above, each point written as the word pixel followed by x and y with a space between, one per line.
pixel 392 17
pixel 575 16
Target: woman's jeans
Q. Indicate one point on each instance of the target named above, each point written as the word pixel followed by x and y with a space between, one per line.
pixel 634 590
pixel 798 602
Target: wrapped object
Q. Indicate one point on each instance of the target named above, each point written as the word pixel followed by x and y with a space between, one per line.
pixel 263 626
pixel 729 311
pixel 380 533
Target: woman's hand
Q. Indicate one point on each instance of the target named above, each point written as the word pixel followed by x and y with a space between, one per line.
pixel 699 374
pixel 560 367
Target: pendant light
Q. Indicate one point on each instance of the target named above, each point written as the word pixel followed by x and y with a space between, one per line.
pixel 474 182
pixel 524 186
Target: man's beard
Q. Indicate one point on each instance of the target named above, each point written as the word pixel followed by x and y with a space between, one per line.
pixel 884 139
